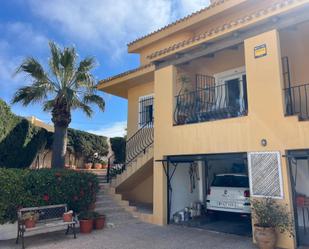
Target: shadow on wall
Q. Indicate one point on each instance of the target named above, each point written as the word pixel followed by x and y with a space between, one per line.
pixel 19 148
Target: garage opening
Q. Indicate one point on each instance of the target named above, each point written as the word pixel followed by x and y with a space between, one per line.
pixel 210 192
pixel 299 172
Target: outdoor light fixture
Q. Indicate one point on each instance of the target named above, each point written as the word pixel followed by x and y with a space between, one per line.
pixel 264 142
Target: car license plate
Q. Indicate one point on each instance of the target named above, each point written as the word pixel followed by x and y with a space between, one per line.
pixel 226 204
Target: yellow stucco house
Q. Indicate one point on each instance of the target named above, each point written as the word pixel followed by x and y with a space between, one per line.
pixel 224 90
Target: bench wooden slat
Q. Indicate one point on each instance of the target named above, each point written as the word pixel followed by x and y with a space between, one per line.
pixel 48 225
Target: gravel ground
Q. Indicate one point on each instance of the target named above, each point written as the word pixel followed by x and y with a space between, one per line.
pixel 136 236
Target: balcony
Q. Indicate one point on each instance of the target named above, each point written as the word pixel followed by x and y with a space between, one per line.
pixel 212 102
pixel 297 101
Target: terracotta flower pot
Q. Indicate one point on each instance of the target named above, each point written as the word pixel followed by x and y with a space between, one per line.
pixel 99 223
pixel 30 223
pixel 67 217
pixel 265 237
pixel 85 226
pixel 98 166
pixel 104 166
pixel 88 165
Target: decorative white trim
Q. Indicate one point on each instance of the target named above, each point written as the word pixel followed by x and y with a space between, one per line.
pixel 249 154
pixel 230 74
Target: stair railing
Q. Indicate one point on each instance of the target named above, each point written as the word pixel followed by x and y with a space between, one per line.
pixel 139 142
pixel 135 145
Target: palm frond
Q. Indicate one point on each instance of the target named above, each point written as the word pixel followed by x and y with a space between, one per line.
pixel 76 103
pixel 54 61
pixel 95 99
pixel 87 64
pixel 33 68
pixel 48 105
pixel 29 94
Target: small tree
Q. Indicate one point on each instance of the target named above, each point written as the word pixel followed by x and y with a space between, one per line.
pixel 69 86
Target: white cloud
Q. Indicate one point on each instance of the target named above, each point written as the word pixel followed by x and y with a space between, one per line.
pixel 117 129
pixel 110 24
pixel 8 65
pixel 18 39
pixel 24 35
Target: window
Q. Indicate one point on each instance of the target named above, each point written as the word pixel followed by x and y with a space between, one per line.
pixel 233 181
pixel 145 111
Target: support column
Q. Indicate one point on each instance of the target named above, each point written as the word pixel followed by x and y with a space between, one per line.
pixel 163 118
pixel 266 106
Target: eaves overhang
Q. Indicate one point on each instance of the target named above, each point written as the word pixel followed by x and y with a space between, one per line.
pixel 118 85
pixel 212 10
pixel 241 23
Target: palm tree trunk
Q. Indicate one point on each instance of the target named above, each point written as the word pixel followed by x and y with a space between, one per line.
pixel 59 146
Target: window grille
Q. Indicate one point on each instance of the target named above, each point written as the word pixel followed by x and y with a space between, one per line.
pixel 265 174
pixel 145 110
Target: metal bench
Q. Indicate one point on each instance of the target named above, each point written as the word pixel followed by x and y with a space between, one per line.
pixel 48 217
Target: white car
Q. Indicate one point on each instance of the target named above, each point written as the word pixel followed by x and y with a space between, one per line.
pixel 229 193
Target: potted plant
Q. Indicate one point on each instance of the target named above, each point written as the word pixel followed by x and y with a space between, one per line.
pixel 86 221
pixel 30 219
pixel 104 164
pixel 68 216
pixel 98 166
pixel 99 221
pixel 88 165
pixel 182 112
pixel 269 217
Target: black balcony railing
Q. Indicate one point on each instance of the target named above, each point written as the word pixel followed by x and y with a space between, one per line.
pixel 297 101
pixel 212 103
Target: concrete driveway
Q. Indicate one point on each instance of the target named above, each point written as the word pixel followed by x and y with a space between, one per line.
pixel 136 236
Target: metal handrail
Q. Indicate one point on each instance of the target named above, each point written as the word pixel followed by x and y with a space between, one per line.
pixel 136 144
pixel 210 103
pixel 297 101
pixel 139 142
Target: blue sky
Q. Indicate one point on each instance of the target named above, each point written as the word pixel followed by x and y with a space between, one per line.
pixel 99 28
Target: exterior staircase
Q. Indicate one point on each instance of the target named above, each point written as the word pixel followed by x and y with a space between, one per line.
pixel 139 154
pixel 135 168
pixel 139 160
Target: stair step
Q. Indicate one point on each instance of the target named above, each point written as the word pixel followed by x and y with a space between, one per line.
pixel 111 211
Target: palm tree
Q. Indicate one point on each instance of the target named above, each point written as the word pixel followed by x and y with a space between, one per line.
pixel 68 86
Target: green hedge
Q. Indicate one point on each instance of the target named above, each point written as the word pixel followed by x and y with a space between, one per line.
pixel 28 188
pixel 20 147
pixel 20 141
pixel 7 120
pixel 118 145
pixel 86 144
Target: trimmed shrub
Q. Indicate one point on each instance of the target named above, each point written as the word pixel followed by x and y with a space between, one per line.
pixel 118 145
pixel 7 120
pixel 20 147
pixel 86 144
pixel 19 140
pixel 30 188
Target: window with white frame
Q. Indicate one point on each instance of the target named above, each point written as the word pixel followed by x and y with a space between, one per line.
pixel 265 174
pixel 145 116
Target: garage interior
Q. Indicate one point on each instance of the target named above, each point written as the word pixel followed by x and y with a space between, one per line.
pixel 299 172
pixel 189 180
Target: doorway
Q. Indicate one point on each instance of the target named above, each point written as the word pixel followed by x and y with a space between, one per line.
pixel 216 195
pixel 299 173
